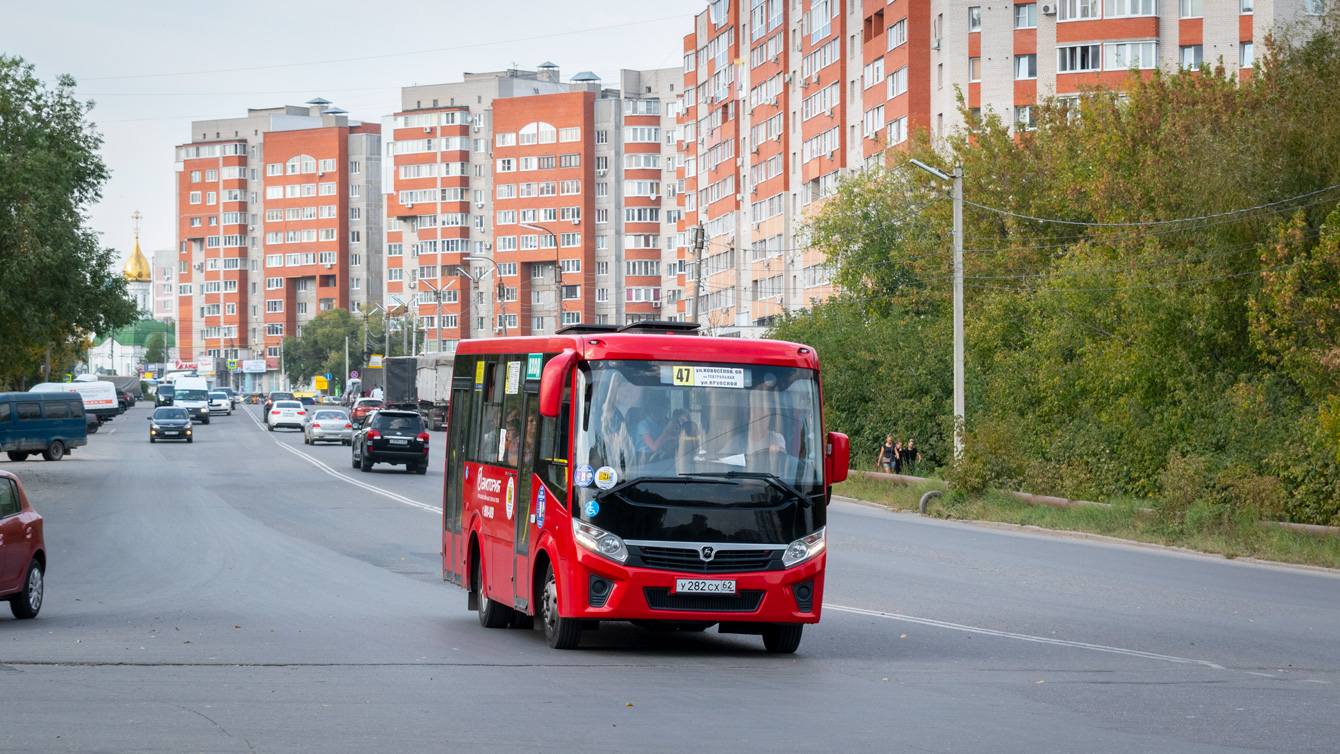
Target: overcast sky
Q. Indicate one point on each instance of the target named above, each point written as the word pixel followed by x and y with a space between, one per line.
pixel 153 66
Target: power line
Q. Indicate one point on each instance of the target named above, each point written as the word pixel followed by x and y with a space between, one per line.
pixel 1147 222
pixel 386 55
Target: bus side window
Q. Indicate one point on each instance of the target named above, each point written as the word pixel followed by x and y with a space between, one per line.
pixel 554 444
pixel 486 447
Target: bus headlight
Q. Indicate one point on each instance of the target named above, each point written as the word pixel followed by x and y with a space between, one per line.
pixel 804 548
pixel 599 541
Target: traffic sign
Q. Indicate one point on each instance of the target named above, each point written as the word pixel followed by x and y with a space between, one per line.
pixel 353 375
pixel 320 382
pixel 329 375
pixel 375 362
pixel 232 365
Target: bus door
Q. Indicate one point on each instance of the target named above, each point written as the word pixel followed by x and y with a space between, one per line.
pixel 525 506
pixel 458 424
pixel 497 488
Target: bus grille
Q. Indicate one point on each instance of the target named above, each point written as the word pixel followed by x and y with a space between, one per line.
pixel 686 560
pixel 660 598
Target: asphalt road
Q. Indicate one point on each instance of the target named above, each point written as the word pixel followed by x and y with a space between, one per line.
pixel 248 593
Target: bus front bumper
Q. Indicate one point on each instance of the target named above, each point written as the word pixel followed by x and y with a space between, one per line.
pixel 648 594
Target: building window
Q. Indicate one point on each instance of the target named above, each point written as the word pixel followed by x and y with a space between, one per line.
pixel 195 197
pixel 1123 55
pixel 1078 58
pixel 898 33
pixel 1023 118
pixel 897 130
pixel 355 236
pixel 195 176
pixel 355 190
pixel 975 18
pixel 1026 16
pixel 1246 55
pixel 1193 8
pixel 1127 8
pixel 1076 10
pixel 1026 66
pixel 1191 56
pixel 974 69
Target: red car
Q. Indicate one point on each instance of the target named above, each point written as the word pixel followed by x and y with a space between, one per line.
pixel 23 556
pixel 363 407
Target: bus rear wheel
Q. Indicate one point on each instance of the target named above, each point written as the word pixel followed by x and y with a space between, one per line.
pixel 784 638
pixel 55 451
pixel 491 614
pixel 559 632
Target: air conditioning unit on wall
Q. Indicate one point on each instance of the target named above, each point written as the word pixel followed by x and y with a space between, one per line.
pixel 1048 9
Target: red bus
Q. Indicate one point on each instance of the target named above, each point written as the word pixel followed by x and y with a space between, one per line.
pixel 639 473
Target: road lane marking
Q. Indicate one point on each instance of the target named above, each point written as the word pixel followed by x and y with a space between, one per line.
pixel 344 477
pixel 1023 637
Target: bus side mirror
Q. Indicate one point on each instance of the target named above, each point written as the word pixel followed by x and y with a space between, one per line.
pixel 837 459
pixel 551 382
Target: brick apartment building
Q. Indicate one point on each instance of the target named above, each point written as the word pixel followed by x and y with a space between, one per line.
pixel 783 97
pixel 553 190
pixel 278 219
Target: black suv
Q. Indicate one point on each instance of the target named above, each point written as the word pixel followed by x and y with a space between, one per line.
pixel 163 394
pixel 392 437
pixel 277 395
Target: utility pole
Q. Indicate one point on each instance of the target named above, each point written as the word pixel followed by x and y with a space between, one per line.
pixel 699 240
pixel 955 175
pixel 344 380
pixel 958 311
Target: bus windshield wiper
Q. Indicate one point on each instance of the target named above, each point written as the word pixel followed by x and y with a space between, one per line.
pixel 772 479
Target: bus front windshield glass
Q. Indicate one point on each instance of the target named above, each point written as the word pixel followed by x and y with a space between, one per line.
pixel 657 419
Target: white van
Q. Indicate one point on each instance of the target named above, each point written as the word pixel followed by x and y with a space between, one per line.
pixel 99 396
pixel 192 394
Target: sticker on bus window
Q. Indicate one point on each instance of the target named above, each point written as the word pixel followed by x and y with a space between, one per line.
pixel 479 375
pixel 584 475
pixel 511 496
pixel 540 496
pixel 591 509
pixel 687 376
pixel 513 377
pixel 606 477
pixel 534 366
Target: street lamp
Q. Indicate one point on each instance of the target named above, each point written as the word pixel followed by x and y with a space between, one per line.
pixel 497 275
pixel 437 295
pixel 957 177
pixel 558 274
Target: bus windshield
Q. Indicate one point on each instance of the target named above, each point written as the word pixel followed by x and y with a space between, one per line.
pixel 654 420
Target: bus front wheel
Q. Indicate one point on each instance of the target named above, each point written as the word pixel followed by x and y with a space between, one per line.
pixel 783 638
pixel 559 632
pixel 491 614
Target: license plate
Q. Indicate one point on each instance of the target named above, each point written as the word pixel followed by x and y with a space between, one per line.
pixel 398 441
pixel 704 586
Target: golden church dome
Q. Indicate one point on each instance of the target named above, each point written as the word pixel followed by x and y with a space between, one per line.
pixel 137 267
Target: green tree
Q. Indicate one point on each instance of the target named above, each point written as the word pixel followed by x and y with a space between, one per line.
pixel 155 348
pixel 1111 338
pixel 56 283
pixel 321 347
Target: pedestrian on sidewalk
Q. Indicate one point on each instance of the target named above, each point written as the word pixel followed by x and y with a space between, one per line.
pixel 898 457
pixel 887 455
pixel 911 457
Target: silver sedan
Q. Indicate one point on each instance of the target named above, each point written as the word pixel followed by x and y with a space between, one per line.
pixel 327 425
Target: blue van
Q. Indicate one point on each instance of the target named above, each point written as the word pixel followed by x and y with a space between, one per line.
pixel 46 423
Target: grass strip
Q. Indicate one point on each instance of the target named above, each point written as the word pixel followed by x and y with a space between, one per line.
pixel 1201 529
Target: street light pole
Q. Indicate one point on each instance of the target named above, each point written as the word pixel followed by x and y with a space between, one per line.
pixel 497 275
pixel 956 176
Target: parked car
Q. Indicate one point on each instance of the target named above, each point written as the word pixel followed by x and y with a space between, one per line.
pixel 392 436
pixel 170 423
pixel 363 407
pixel 23 551
pixel 326 425
pixel 46 423
pixel 307 400
pixel 276 395
pixel 124 400
pixel 220 403
pixel 285 414
pixel 193 395
pixel 330 400
pixel 163 394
